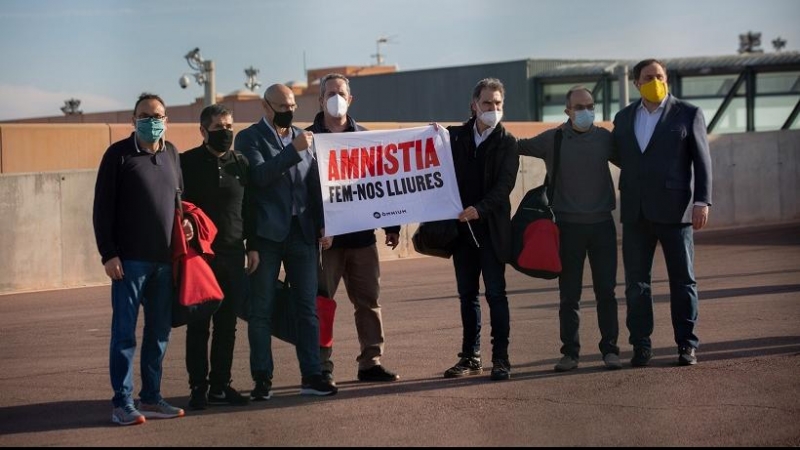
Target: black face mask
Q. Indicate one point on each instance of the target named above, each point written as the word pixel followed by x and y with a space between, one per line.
pixel 283 119
pixel 220 140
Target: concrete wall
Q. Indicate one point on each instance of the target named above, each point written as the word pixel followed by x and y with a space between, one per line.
pixel 47 240
pixel 55 147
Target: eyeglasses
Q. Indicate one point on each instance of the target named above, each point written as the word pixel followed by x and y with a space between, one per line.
pixel 283 107
pixel 150 116
pixel 590 107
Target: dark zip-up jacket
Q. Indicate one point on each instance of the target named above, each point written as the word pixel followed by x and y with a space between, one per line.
pixel 501 163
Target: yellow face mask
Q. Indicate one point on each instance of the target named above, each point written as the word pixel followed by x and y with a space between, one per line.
pixel 654 91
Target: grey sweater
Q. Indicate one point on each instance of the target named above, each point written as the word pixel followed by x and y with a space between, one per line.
pixel 584 191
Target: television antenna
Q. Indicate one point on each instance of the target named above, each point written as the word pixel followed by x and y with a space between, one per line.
pixel 379 57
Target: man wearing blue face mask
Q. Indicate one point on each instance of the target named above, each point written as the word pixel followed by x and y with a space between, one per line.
pixel 583 200
pixel 134 211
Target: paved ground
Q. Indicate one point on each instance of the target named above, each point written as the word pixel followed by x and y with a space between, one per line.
pixel 54 387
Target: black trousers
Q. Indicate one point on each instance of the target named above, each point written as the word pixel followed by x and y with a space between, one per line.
pixel 229 270
pixel 599 242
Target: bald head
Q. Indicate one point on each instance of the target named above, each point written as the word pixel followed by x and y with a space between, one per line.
pixel 277 92
pixel 279 105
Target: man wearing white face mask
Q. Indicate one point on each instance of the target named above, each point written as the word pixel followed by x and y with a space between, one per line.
pixel 352 256
pixel 486 161
pixel 583 200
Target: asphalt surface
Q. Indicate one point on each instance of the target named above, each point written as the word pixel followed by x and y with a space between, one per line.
pixel 745 390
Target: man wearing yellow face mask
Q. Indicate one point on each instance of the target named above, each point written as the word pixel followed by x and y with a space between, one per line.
pixel 661 147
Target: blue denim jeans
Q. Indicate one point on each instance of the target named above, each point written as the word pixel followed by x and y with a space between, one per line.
pixel 470 262
pixel 638 249
pixel 148 284
pixel 299 260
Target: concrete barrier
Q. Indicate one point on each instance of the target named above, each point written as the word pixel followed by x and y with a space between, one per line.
pixel 48 239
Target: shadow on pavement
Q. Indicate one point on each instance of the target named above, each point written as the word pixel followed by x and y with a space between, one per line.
pixel 66 415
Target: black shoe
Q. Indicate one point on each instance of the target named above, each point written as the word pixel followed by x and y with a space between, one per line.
pixel 317 385
pixel 226 396
pixel 198 399
pixel 501 370
pixel 262 391
pixel 327 375
pixel 467 365
pixel 377 373
pixel 641 357
pixel 686 356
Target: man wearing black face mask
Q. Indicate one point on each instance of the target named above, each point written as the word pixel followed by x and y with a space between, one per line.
pixel 214 179
pixel 284 182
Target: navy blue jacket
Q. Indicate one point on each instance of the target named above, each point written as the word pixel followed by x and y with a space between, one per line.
pixel 270 184
pixel 674 171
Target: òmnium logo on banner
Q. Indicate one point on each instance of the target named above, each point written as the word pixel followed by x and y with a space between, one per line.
pixel 378 215
pixel 396 176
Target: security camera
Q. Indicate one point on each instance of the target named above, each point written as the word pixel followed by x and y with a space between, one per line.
pixel 184 81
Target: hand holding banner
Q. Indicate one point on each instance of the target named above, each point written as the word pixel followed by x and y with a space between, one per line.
pixel 373 179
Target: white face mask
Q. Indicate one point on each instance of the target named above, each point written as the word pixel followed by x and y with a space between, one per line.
pixel 489 118
pixel 336 106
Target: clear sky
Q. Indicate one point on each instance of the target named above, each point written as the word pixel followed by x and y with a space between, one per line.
pixel 106 52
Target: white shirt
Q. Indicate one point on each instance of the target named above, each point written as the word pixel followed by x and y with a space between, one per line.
pixel 644 123
pixel 284 140
pixel 480 137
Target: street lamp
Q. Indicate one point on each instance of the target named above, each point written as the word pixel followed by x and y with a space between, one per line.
pixel 204 75
pixel 71 106
pixel 750 42
pixel 251 83
pixel 778 43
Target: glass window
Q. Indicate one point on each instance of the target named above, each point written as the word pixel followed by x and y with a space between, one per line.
pixel 633 93
pixel 553 113
pixel 555 94
pixel 710 86
pixel 734 120
pixel 778 83
pixel 773 110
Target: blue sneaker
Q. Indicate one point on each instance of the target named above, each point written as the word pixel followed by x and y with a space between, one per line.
pixel 127 415
pixel 160 410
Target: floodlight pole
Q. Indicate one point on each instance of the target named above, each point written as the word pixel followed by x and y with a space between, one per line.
pixel 204 75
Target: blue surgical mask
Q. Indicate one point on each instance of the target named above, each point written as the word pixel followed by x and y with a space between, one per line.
pixel 584 119
pixel 150 129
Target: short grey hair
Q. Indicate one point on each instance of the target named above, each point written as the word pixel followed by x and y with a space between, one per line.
pixel 488 83
pixel 332 76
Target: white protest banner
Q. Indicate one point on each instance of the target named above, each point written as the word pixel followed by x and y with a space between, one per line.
pixel 373 179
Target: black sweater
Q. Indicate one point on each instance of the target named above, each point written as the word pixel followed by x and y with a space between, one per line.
pixel 134 202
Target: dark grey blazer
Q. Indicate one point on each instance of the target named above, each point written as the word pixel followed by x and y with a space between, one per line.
pixel 270 184
pixel 673 172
